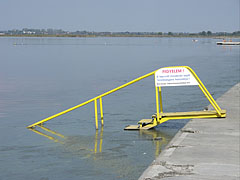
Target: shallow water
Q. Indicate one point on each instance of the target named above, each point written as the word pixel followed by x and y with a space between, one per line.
pixel 43 76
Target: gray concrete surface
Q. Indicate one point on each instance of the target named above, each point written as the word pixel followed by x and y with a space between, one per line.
pixel 204 149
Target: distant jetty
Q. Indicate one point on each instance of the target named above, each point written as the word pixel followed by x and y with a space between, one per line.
pixel 228 43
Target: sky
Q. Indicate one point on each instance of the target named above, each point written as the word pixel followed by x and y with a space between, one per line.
pixel 122 15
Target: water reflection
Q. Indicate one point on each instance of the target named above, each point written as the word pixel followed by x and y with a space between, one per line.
pixel 159 139
pixel 94 144
pixel 48 136
pixel 108 152
pixel 54 136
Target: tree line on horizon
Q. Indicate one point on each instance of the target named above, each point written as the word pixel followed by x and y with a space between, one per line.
pixel 60 32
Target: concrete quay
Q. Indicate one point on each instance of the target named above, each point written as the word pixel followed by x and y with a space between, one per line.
pixel 206 149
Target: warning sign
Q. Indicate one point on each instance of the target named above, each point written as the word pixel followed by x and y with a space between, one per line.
pixel 176 76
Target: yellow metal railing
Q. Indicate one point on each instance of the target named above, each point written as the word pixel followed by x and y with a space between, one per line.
pixel 158 98
pixel 95 103
pixel 159 120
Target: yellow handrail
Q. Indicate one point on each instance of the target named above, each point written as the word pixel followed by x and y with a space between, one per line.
pixel 206 92
pixel 158 91
pixel 91 100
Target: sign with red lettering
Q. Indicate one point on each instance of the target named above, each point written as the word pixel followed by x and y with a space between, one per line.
pixel 175 76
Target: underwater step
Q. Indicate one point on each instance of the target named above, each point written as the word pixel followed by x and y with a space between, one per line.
pixel 138 127
pixel 144 124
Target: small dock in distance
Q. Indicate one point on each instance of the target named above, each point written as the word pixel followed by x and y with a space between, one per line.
pixel 228 43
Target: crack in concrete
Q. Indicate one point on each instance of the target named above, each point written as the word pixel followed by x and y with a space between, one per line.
pixel 189 131
pixel 175 170
pixel 171 174
pixel 174 146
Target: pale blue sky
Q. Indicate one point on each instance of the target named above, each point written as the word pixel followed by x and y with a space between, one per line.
pixel 121 15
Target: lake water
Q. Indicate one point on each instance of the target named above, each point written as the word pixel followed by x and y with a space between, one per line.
pixel 43 76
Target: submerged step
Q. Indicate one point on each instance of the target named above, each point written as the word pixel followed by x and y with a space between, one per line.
pixel 137 127
pixel 132 127
pixel 144 124
pixel 145 121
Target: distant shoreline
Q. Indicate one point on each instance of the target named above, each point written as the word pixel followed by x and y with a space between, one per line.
pixel 93 36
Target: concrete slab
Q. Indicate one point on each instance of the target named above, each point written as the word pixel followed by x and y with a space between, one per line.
pixel 204 148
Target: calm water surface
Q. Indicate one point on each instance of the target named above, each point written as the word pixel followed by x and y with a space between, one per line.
pixel 43 76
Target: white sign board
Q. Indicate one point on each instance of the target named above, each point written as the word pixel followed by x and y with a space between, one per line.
pixel 175 76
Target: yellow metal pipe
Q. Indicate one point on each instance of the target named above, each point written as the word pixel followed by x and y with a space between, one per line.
pixel 188 117
pixel 209 99
pixel 157 105
pixel 205 92
pixel 160 97
pixel 61 113
pixel 101 110
pixel 203 89
pixel 127 84
pixel 96 113
pixel 86 102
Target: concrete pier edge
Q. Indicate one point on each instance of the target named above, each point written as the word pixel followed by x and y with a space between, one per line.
pixel 204 148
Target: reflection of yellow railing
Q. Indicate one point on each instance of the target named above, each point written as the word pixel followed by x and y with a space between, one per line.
pixel 45 135
pixel 158 138
pixel 100 141
pixel 63 139
pixel 52 132
pixel 159 118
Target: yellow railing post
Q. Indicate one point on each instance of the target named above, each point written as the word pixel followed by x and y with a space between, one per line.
pixel 160 96
pixel 96 113
pixel 101 110
pixel 157 105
